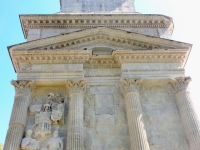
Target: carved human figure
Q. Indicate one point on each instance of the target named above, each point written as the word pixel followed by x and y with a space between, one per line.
pixel 28 143
pixel 43 121
pixel 89 118
pixel 55 143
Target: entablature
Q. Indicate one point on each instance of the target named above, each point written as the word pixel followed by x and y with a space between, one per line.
pixel 85 57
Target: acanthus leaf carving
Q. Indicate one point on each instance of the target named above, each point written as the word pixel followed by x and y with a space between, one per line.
pixel 129 85
pixel 76 86
pixel 180 83
pixel 23 87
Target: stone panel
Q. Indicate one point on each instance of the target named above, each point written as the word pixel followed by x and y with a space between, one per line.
pixel 161 117
pixel 110 130
pixel 104 104
pixel 34 34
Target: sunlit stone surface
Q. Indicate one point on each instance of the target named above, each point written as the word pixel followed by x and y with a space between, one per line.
pixel 99 76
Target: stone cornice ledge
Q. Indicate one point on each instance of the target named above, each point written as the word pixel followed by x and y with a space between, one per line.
pixel 82 21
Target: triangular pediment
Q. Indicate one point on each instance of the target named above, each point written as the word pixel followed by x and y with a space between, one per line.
pixel 111 46
pixel 101 37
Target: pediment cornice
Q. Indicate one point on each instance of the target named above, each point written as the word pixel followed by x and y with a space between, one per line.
pixel 128 48
pixel 101 34
pixel 82 21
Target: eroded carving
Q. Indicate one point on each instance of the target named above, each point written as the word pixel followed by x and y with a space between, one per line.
pixel 57 113
pixel 89 118
pixel 55 143
pixel 22 86
pixel 180 84
pixel 29 143
pixel 76 86
pixel 129 85
pixel 34 109
pixel 43 121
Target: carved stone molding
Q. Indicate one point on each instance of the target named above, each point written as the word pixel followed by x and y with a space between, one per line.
pixel 23 87
pixel 129 85
pixel 76 86
pixel 180 83
pixel 60 21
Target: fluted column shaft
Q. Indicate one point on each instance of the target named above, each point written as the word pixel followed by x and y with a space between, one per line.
pixel 19 114
pixel 188 115
pixel 137 132
pixel 75 138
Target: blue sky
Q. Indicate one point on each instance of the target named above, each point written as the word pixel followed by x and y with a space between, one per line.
pixel 184 13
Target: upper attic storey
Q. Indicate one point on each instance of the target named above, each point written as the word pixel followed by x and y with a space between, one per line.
pixel 77 15
pixel 95 6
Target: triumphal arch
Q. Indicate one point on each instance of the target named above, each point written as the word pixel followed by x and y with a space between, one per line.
pixel 100 76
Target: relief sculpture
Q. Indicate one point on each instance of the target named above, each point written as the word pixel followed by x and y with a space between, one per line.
pixel 43 122
pixel 55 143
pixel 57 113
pixel 89 118
pixel 28 143
pixel 47 114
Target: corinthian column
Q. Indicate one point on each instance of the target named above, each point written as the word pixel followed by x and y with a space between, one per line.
pixel 19 113
pixel 75 137
pixel 187 112
pixel 137 132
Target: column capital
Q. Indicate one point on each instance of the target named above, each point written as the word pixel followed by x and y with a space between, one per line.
pixel 22 87
pixel 130 85
pixel 76 86
pixel 180 83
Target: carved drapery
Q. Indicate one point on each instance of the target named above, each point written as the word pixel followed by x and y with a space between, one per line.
pixel 19 113
pixel 137 132
pixel 75 138
pixel 186 108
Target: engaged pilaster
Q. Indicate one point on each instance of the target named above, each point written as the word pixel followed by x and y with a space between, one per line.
pixel 187 112
pixel 19 113
pixel 137 132
pixel 75 130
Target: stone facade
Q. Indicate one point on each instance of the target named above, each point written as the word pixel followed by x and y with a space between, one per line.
pixel 100 82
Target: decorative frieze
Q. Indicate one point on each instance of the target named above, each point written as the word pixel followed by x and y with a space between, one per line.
pixel 20 58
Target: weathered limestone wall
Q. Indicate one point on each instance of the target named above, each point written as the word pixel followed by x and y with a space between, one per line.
pixel 105 120
pixel 35 34
pixel 107 113
pixel 162 119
